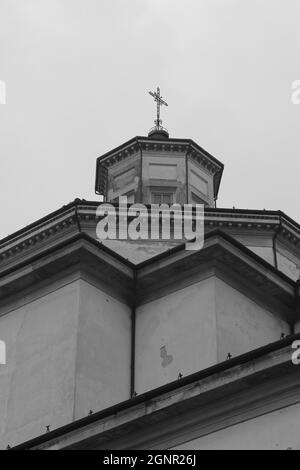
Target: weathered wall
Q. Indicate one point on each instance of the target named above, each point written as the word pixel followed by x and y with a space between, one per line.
pixel 124 177
pixel 68 351
pixel 37 384
pixel 103 353
pixel 278 430
pixel 201 184
pixel 288 261
pixel 175 334
pixel 196 327
pixel 260 243
pixel 242 324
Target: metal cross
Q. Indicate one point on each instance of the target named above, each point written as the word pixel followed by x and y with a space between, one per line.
pixel 160 102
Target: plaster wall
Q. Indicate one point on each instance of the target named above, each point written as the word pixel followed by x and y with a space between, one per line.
pixel 216 318
pixel 103 351
pixel 242 324
pixel 37 383
pixel 124 177
pixel 68 351
pixel 162 328
pixel 201 183
pixel 264 252
pixel 261 244
pixel 288 261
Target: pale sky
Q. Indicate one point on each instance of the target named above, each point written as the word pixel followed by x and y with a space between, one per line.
pixel 77 76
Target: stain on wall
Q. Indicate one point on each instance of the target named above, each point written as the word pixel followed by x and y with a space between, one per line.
pixel 166 358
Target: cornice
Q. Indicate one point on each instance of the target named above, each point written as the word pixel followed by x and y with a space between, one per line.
pixel 64 223
pixel 198 154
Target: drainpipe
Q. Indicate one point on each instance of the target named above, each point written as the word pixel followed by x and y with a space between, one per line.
pixel 297 302
pixel 274 240
pixel 141 172
pixel 132 367
pixel 187 173
pixel 133 308
pixel 133 328
pixel 77 217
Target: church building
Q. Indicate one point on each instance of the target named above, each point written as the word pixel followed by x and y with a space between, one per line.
pixel 143 344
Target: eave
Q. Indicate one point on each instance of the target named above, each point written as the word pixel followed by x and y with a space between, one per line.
pixel 75 216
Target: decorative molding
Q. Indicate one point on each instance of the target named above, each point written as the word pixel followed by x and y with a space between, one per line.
pixel 60 225
pixel 202 159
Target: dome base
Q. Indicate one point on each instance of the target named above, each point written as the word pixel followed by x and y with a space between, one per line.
pixel 158 133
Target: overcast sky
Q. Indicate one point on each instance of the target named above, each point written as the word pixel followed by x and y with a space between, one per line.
pixel 78 73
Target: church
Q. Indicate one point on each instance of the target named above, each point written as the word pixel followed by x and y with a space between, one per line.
pixel 142 344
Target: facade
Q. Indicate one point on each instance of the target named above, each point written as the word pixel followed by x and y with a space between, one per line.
pixel 143 344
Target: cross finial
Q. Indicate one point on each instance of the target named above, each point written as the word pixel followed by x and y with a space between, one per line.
pixel 160 102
